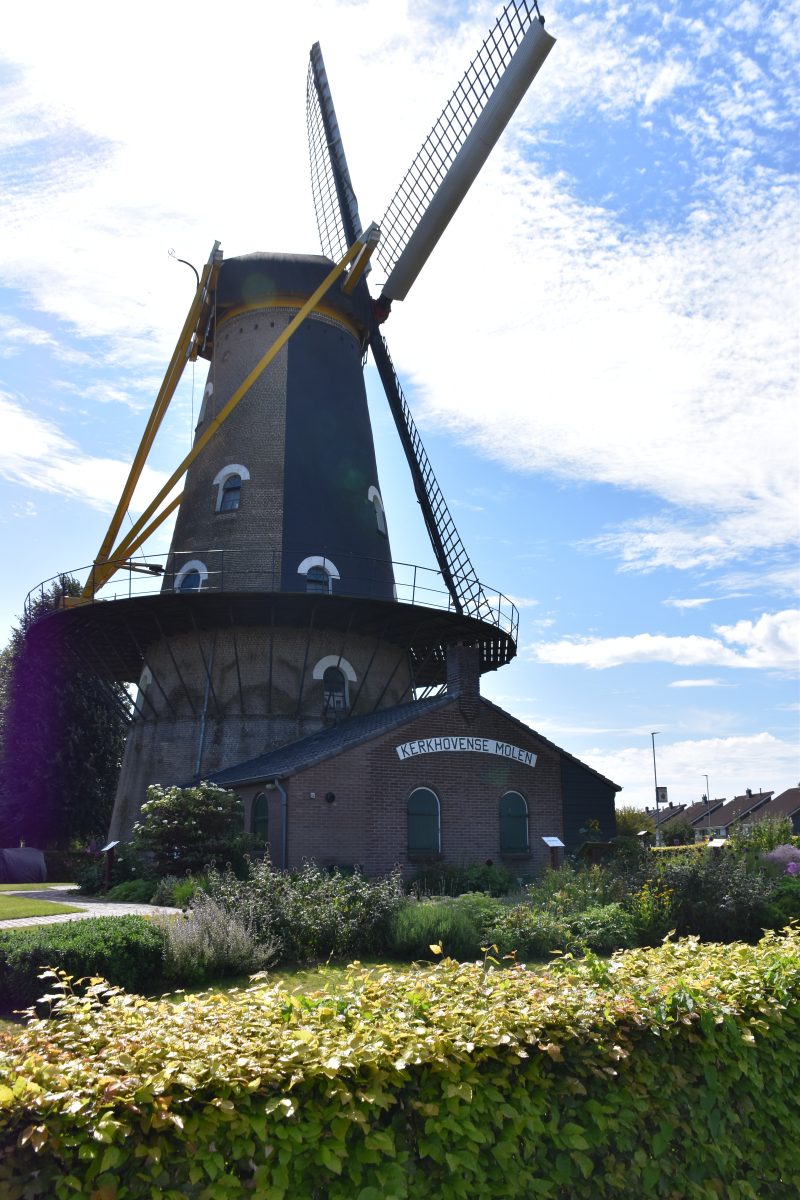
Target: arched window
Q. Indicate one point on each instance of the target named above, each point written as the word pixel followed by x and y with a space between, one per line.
pixel 231 493
pixel 228 483
pixel 259 820
pixel 317 580
pixel 513 824
pixel 374 497
pixel 336 674
pixel 319 572
pixel 334 686
pixel 191 576
pixel 423 822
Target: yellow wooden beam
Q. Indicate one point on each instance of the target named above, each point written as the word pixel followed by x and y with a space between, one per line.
pixel 199 309
pixel 103 571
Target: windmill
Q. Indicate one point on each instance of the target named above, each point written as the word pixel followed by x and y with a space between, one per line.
pixel 279 609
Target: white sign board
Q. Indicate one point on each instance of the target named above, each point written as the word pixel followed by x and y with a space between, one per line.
pixel 475 745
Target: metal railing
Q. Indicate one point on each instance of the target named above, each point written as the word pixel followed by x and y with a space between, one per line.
pixel 244 571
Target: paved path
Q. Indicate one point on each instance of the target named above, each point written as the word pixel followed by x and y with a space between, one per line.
pixel 90 906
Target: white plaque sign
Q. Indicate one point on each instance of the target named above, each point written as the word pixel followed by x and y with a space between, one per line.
pixel 477 745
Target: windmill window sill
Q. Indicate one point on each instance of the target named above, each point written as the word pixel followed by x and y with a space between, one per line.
pixel 515 855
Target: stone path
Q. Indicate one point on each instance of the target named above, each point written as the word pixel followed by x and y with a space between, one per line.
pixel 90 906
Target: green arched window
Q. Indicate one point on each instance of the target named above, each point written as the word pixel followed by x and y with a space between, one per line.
pixel 424 835
pixel 259 821
pixel 513 824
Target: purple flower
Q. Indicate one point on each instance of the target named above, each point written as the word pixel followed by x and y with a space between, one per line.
pixel 793 868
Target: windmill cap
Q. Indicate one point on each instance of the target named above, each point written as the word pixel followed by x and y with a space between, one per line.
pixel 252 280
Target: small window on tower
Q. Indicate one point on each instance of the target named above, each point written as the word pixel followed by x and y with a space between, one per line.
pixel 229 482
pixel 374 497
pixel 334 686
pixel 317 580
pixel 231 493
pixel 190 582
pixel 260 819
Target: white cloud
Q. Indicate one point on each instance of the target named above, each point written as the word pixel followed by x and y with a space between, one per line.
pixel 733 764
pixel 770 643
pixel 35 453
pixel 696 683
pixel 697 602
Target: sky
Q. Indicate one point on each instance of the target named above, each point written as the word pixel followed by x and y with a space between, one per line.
pixel 601 354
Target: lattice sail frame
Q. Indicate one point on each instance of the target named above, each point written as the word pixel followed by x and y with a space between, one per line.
pixel 439 150
pixel 335 202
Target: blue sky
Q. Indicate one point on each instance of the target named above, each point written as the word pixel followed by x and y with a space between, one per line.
pixel 601 353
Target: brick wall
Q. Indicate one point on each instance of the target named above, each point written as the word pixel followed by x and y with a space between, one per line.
pixel 366 823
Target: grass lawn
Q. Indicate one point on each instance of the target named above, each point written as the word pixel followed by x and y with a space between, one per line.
pixel 31 887
pixel 14 908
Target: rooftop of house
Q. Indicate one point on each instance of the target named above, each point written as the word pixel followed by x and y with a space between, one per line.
pixel 784 805
pixel 739 807
pixel 666 812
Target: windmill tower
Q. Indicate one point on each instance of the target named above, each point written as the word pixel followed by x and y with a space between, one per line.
pixel 279 610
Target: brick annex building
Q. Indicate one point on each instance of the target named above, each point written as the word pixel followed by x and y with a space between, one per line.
pixel 452 779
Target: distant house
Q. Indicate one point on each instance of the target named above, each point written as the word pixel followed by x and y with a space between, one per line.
pixel 785 805
pixel 701 815
pixel 740 810
pixel 665 814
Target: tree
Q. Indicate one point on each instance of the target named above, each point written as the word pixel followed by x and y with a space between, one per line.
pixel 630 821
pixel 187 829
pixel 62 734
pixel 678 833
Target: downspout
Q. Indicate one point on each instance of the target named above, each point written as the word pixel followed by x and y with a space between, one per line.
pixel 276 783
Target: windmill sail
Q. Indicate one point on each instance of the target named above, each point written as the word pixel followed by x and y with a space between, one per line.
pixel 460 142
pixel 451 555
pixel 335 201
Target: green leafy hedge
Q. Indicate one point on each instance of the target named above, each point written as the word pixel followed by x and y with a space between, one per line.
pixel 671 1073
pixel 128 951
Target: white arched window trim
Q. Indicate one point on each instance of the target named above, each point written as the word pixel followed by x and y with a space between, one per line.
pixel 315 560
pixel 225 473
pixel 333 660
pixel 193 565
pixel 375 499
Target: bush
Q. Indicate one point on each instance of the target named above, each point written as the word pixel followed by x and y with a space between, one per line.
pixel 133 891
pixel 602 928
pixel 715 896
pixel 173 892
pixel 445 879
pixel 419 924
pixel 437 1085
pixel 531 933
pixel 209 943
pixel 127 951
pixel 185 829
pixel 784 904
pixel 761 836
pixel 310 914
pixel 783 860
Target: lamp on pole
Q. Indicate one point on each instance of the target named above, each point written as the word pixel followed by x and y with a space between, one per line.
pixel 708 806
pixel 655 778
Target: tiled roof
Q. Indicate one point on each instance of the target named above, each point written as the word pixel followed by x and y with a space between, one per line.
pixel 666 812
pixel 286 760
pixel 698 813
pixel 785 805
pixel 352 731
pixel 739 807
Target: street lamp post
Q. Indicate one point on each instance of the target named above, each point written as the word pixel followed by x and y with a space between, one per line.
pixel 655 777
pixel 708 806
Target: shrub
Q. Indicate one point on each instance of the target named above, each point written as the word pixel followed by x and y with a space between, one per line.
pixel 784 859
pixel 715 896
pixel 446 879
pixel 761 836
pixel 209 943
pixel 177 893
pixel 133 891
pixel 310 914
pixel 186 829
pixel 532 933
pixel 419 924
pixel 445 1084
pixel 603 928
pixel 784 904
pixel 127 951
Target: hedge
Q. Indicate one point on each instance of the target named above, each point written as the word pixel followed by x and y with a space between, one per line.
pixel 129 951
pixel 672 1072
